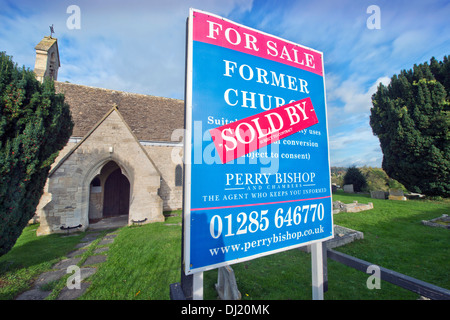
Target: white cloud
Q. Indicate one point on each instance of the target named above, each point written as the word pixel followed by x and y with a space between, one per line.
pixel 351 139
pixel 141 44
pixel 354 97
pixel 356 147
pixel 356 138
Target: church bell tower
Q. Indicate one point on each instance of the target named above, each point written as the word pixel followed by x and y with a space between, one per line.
pixel 47 59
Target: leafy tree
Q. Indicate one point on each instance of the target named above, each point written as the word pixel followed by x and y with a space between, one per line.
pixel 35 123
pixel 411 117
pixel 377 179
pixel 355 177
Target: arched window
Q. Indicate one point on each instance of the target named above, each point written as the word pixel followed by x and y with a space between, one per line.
pixel 178 176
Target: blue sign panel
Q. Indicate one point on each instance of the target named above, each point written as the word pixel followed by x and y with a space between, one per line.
pixel 276 197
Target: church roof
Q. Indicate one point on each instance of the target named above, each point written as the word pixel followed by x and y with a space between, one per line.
pixel 46 43
pixel 150 118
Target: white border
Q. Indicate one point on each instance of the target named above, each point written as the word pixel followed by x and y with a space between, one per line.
pixel 188 148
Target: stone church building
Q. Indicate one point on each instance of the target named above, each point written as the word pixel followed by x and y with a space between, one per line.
pixel 119 160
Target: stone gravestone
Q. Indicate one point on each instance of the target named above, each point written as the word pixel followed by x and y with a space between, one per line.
pixel 226 285
pixel 378 194
pixel 348 188
pixel 338 206
pixel 396 194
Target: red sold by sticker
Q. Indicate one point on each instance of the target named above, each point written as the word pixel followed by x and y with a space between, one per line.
pixel 238 138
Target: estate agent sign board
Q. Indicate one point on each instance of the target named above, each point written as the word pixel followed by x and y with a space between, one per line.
pixel 257 175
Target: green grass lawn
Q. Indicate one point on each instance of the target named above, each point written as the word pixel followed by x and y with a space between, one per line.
pixel 395 238
pixel 31 256
pixel 143 261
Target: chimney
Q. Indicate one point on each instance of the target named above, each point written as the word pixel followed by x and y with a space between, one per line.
pixel 47 59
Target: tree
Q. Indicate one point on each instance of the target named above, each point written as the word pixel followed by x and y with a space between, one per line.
pixel 411 118
pixel 35 123
pixel 355 177
pixel 377 179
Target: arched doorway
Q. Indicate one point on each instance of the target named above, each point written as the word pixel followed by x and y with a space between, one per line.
pixel 95 200
pixel 116 199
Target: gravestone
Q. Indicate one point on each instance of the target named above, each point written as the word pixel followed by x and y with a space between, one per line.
pixel 339 206
pixel 226 284
pixel 342 236
pixel 396 194
pixel 348 188
pixel 357 207
pixel 440 222
pixel 413 195
pixel 378 194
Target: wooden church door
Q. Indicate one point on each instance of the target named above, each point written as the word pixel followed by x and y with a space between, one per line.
pixel 117 195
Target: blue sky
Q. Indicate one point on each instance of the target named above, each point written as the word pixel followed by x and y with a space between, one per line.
pixel 139 46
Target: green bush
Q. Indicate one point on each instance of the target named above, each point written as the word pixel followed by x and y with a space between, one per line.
pixel 411 118
pixel 376 179
pixel 355 177
pixel 35 123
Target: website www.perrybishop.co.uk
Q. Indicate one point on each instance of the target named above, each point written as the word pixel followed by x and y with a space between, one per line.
pixel 267 241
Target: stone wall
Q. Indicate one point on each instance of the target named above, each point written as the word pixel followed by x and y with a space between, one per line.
pixel 68 187
pixel 171 194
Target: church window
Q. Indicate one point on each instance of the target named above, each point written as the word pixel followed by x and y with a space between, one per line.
pixel 178 176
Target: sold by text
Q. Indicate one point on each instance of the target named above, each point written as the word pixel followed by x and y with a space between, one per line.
pixel 275 238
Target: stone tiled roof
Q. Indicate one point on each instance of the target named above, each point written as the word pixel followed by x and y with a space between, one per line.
pixel 150 118
pixel 46 43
